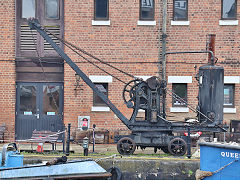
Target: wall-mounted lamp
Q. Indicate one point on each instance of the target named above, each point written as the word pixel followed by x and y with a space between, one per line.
pixel 77 83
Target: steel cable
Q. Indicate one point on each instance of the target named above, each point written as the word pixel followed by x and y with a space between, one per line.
pixel 88 54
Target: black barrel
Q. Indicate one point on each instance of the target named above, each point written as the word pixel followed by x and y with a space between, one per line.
pixel 211 87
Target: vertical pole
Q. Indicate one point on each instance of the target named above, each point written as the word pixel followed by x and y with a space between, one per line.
pixel 68 140
pixel 164 39
pixel 189 143
pixel 163 53
pixel 94 126
pixel 63 138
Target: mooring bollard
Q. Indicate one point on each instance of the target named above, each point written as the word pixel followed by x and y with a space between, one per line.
pixel 189 143
pixel 85 146
pixel 94 126
pixel 63 138
pixel 68 140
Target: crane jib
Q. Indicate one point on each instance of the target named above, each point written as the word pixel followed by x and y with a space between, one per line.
pixel 34 24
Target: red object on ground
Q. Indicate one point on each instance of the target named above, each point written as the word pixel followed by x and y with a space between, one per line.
pixel 40 147
pixel 199 133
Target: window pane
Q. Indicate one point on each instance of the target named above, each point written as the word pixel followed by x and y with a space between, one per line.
pixel 229 9
pixel 181 91
pixel 147 10
pixel 97 101
pixel 101 9
pixel 51 96
pixel 28 8
pixel 27 100
pixel 228 95
pixel 180 10
pixel 52 9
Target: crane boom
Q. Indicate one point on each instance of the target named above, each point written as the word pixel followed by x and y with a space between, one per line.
pixel 34 24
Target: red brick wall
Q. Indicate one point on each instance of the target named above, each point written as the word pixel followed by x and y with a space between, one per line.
pixel 122 41
pixel 204 19
pixel 125 41
pixel 7 66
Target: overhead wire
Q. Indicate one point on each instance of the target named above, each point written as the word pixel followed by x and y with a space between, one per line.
pixel 88 54
pixel 94 64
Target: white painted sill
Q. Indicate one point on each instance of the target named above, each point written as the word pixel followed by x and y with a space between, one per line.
pixel 231 79
pixel 101 23
pixel 100 109
pixel 146 23
pixel 180 23
pixel 228 22
pixel 179 109
pixel 179 79
pixel 229 110
pixel 101 79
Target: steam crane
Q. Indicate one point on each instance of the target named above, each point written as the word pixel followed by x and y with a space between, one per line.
pixel 154 130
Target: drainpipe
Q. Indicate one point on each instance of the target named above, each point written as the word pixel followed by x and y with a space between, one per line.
pixel 164 39
pixel 162 55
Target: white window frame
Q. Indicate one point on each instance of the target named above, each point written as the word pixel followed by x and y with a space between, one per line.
pixel 100 79
pixel 231 80
pixel 180 79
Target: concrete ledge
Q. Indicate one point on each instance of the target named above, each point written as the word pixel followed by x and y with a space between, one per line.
pixel 179 109
pixel 101 23
pixel 228 22
pixel 146 23
pixel 231 79
pixel 100 109
pixel 180 23
pixel 229 110
pixel 136 169
pixel 179 79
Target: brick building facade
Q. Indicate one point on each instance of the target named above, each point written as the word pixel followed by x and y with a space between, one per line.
pixel 131 41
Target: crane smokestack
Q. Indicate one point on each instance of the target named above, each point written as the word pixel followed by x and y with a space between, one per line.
pixel 211 47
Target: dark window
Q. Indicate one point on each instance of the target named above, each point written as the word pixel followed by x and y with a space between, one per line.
pixel 229 9
pixel 180 10
pixel 181 94
pixel 229 95
pixel 51 95
pixel 235 126
pixel 52 9
pixel 97 101
pixel 101 10
pixel 147 9
pixel 27 100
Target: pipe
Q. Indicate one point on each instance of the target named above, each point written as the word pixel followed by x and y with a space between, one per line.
pixel 196 52
pixel 211 47
pixel 164 37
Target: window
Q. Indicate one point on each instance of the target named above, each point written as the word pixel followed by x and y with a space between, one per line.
pixel 180 10
pixel 229 9
pixel 235 126
pixel 97 101
pixel 229 91
pixel 181 91
pixel 28 8
pixel 101 10
pixel 52 9
pixel 147 9
pixel 29 44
